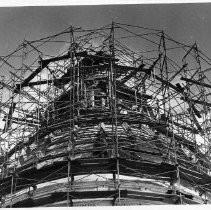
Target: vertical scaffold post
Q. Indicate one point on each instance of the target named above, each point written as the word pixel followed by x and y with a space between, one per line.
pixel 72 102
pixel 113 106
pixel 11 193
pixel 163 70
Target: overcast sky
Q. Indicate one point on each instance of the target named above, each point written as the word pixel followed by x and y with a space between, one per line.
pixel 184 22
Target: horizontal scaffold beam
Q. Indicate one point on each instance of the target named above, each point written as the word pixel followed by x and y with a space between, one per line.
pixel 59 196
pixel 30 175
pixel 196 82
pixel 94 118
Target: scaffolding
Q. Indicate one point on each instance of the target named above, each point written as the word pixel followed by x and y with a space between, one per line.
pixel 118 115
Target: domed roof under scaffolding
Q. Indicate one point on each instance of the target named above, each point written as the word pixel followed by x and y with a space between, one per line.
pixel 118 115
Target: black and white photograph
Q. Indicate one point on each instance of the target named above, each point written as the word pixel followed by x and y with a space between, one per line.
pixel 105 104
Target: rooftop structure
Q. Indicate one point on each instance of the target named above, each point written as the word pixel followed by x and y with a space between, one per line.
pixel 118 115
